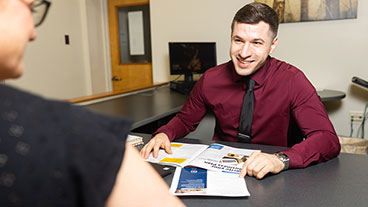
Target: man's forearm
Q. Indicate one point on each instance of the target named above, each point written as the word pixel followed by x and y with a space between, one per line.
pixel 319 147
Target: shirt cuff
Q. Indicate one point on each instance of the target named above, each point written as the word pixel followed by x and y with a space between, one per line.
pixel 295 160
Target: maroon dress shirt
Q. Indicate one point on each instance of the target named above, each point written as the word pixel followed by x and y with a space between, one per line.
pixel 282 94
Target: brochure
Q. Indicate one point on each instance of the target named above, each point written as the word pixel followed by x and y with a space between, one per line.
pixel 197 181
pixel 134 140
pixel 215 157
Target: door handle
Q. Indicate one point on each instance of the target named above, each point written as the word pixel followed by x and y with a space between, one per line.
pixel 115 78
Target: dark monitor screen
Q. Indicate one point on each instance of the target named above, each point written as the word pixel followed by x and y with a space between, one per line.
pixel 191 57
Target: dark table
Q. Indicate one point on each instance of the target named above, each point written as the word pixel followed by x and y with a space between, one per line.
pixel 149 106
pixel 144 107
pixel 342 181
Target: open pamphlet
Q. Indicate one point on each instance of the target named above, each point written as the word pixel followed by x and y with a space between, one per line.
pixel 215 157
pixel 197 181
pixel 134 140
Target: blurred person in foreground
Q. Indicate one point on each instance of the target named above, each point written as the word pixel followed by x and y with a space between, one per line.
pixel 56 154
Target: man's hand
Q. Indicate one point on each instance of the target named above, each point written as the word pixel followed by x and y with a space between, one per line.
pixel 259 164
pixel 161 140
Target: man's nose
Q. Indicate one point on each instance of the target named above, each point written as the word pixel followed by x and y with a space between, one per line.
pixel 33 35
pixel 245 50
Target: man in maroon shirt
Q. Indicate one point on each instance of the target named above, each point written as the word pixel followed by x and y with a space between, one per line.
pixel 284 99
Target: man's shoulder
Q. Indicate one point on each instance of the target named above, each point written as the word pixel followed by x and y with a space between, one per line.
pixel 283 66
pixel 222 69
pixel 289 74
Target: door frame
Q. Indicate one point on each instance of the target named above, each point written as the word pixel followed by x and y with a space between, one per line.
pixel 114 48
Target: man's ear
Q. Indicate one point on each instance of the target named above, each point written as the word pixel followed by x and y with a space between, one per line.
pixel 274 44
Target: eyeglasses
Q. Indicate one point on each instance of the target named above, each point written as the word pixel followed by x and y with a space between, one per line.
pixel 39 10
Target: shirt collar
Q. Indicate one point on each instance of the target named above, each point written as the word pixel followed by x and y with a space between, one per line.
pixel 259 76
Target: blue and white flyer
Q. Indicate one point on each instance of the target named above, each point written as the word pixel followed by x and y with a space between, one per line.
pixel 215 157
pixel 191 181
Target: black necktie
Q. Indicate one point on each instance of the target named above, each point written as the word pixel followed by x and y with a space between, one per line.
pixel 245 126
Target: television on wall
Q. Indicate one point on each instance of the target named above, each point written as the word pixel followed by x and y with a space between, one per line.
pixel 190 58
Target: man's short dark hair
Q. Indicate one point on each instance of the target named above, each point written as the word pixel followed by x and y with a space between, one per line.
pixel 254 13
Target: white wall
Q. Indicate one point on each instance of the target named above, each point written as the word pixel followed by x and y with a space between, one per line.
pixel 189 20
pixel 98 42
pixel 329 52
pixel 52 68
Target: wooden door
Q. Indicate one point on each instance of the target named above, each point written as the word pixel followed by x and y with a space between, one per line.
pixel 132 75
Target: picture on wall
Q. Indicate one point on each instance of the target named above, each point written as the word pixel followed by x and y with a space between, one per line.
pixel 313 10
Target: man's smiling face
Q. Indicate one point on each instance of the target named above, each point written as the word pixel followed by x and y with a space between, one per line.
pixel 250 46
